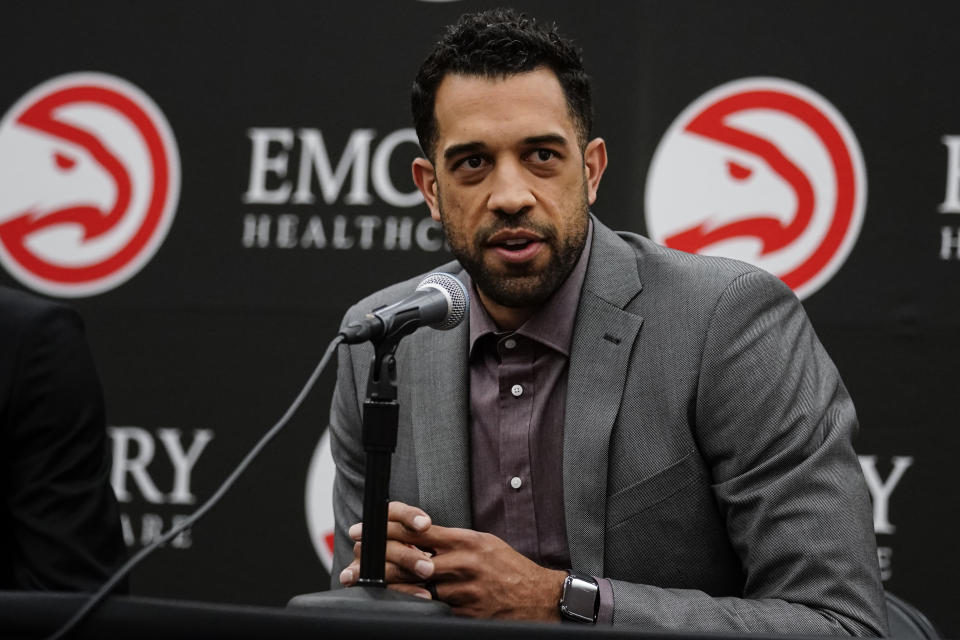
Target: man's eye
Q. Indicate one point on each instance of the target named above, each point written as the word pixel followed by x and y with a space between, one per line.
pixel 544 155
pixel 470 163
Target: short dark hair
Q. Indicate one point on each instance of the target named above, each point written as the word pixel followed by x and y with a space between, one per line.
pixel 495 44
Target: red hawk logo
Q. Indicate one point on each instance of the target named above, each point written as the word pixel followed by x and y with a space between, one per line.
pixel 89 182
pixel 318 501
pixel 763 170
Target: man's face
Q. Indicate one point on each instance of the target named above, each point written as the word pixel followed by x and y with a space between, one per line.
pixel 510 183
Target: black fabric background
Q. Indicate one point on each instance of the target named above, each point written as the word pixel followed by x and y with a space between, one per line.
pixel 213 335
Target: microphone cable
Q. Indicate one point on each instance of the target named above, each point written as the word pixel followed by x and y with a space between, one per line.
pixel 122 572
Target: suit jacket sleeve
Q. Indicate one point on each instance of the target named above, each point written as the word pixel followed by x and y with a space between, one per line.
pixel 64 522
pixel 347 450
pixel 774 424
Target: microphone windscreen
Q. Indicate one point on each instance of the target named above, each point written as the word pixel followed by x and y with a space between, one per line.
pixel 458 301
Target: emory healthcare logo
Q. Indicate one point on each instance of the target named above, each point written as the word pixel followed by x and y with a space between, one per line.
pixel 763 170
pixel 89 182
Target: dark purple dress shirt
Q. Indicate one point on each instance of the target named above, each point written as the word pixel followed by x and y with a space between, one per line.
pixel 518 389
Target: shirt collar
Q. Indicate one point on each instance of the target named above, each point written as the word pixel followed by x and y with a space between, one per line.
pixel 552 323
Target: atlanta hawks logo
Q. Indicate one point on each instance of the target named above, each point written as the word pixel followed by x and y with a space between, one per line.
pixel 89 181
pixel 319 500
pixel 763 170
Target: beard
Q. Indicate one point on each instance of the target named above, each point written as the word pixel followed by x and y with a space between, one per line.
pixel 520 285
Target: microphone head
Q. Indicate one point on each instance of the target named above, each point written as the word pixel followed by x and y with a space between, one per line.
pixel 458 301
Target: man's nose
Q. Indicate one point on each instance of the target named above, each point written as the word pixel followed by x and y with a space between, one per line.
pixel 509 191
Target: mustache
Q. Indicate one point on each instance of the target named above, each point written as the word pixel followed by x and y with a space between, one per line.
pixel 522 221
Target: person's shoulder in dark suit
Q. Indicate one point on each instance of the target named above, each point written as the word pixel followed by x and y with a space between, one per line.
pixel 59 521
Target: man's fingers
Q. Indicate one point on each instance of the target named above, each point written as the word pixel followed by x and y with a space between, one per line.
pixel 391 573
pixel 412 589
pixel 435 538
pixel 402 533
pixel 413 518
pixel 440 539
pixel 404 562
pixel 455 565
pixel 349 575
pixel 410 559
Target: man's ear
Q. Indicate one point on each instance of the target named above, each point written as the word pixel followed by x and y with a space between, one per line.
pixel 425 178
pixel 594 164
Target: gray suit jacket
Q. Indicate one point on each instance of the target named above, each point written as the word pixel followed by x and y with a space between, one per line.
pixel 707 464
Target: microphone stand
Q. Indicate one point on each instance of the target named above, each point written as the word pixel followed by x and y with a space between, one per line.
pixel 381 413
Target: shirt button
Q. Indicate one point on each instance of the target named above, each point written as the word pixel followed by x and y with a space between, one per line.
pixel 510 343
pixel 516 390
pixel 515 482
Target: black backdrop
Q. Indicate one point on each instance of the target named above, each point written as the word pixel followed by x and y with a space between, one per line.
pixel 206 343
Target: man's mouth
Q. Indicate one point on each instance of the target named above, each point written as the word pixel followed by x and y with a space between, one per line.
pixel 516 246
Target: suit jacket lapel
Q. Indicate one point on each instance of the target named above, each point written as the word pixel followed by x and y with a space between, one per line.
pixel 439 398
pixel 603 339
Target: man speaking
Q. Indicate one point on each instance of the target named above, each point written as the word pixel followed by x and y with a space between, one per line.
pixel 621 433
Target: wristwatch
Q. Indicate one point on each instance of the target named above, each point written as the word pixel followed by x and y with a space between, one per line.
pixel 580 600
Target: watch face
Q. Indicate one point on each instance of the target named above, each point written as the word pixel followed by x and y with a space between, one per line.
pixel 580 599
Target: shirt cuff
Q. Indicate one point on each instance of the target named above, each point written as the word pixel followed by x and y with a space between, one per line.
pixel 605 612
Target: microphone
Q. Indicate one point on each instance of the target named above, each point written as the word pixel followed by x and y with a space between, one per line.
pixel 440 301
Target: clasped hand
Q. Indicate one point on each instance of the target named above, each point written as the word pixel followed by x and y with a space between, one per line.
pixel 477 574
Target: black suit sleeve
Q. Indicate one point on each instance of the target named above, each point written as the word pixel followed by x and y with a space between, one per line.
pixel 64 528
